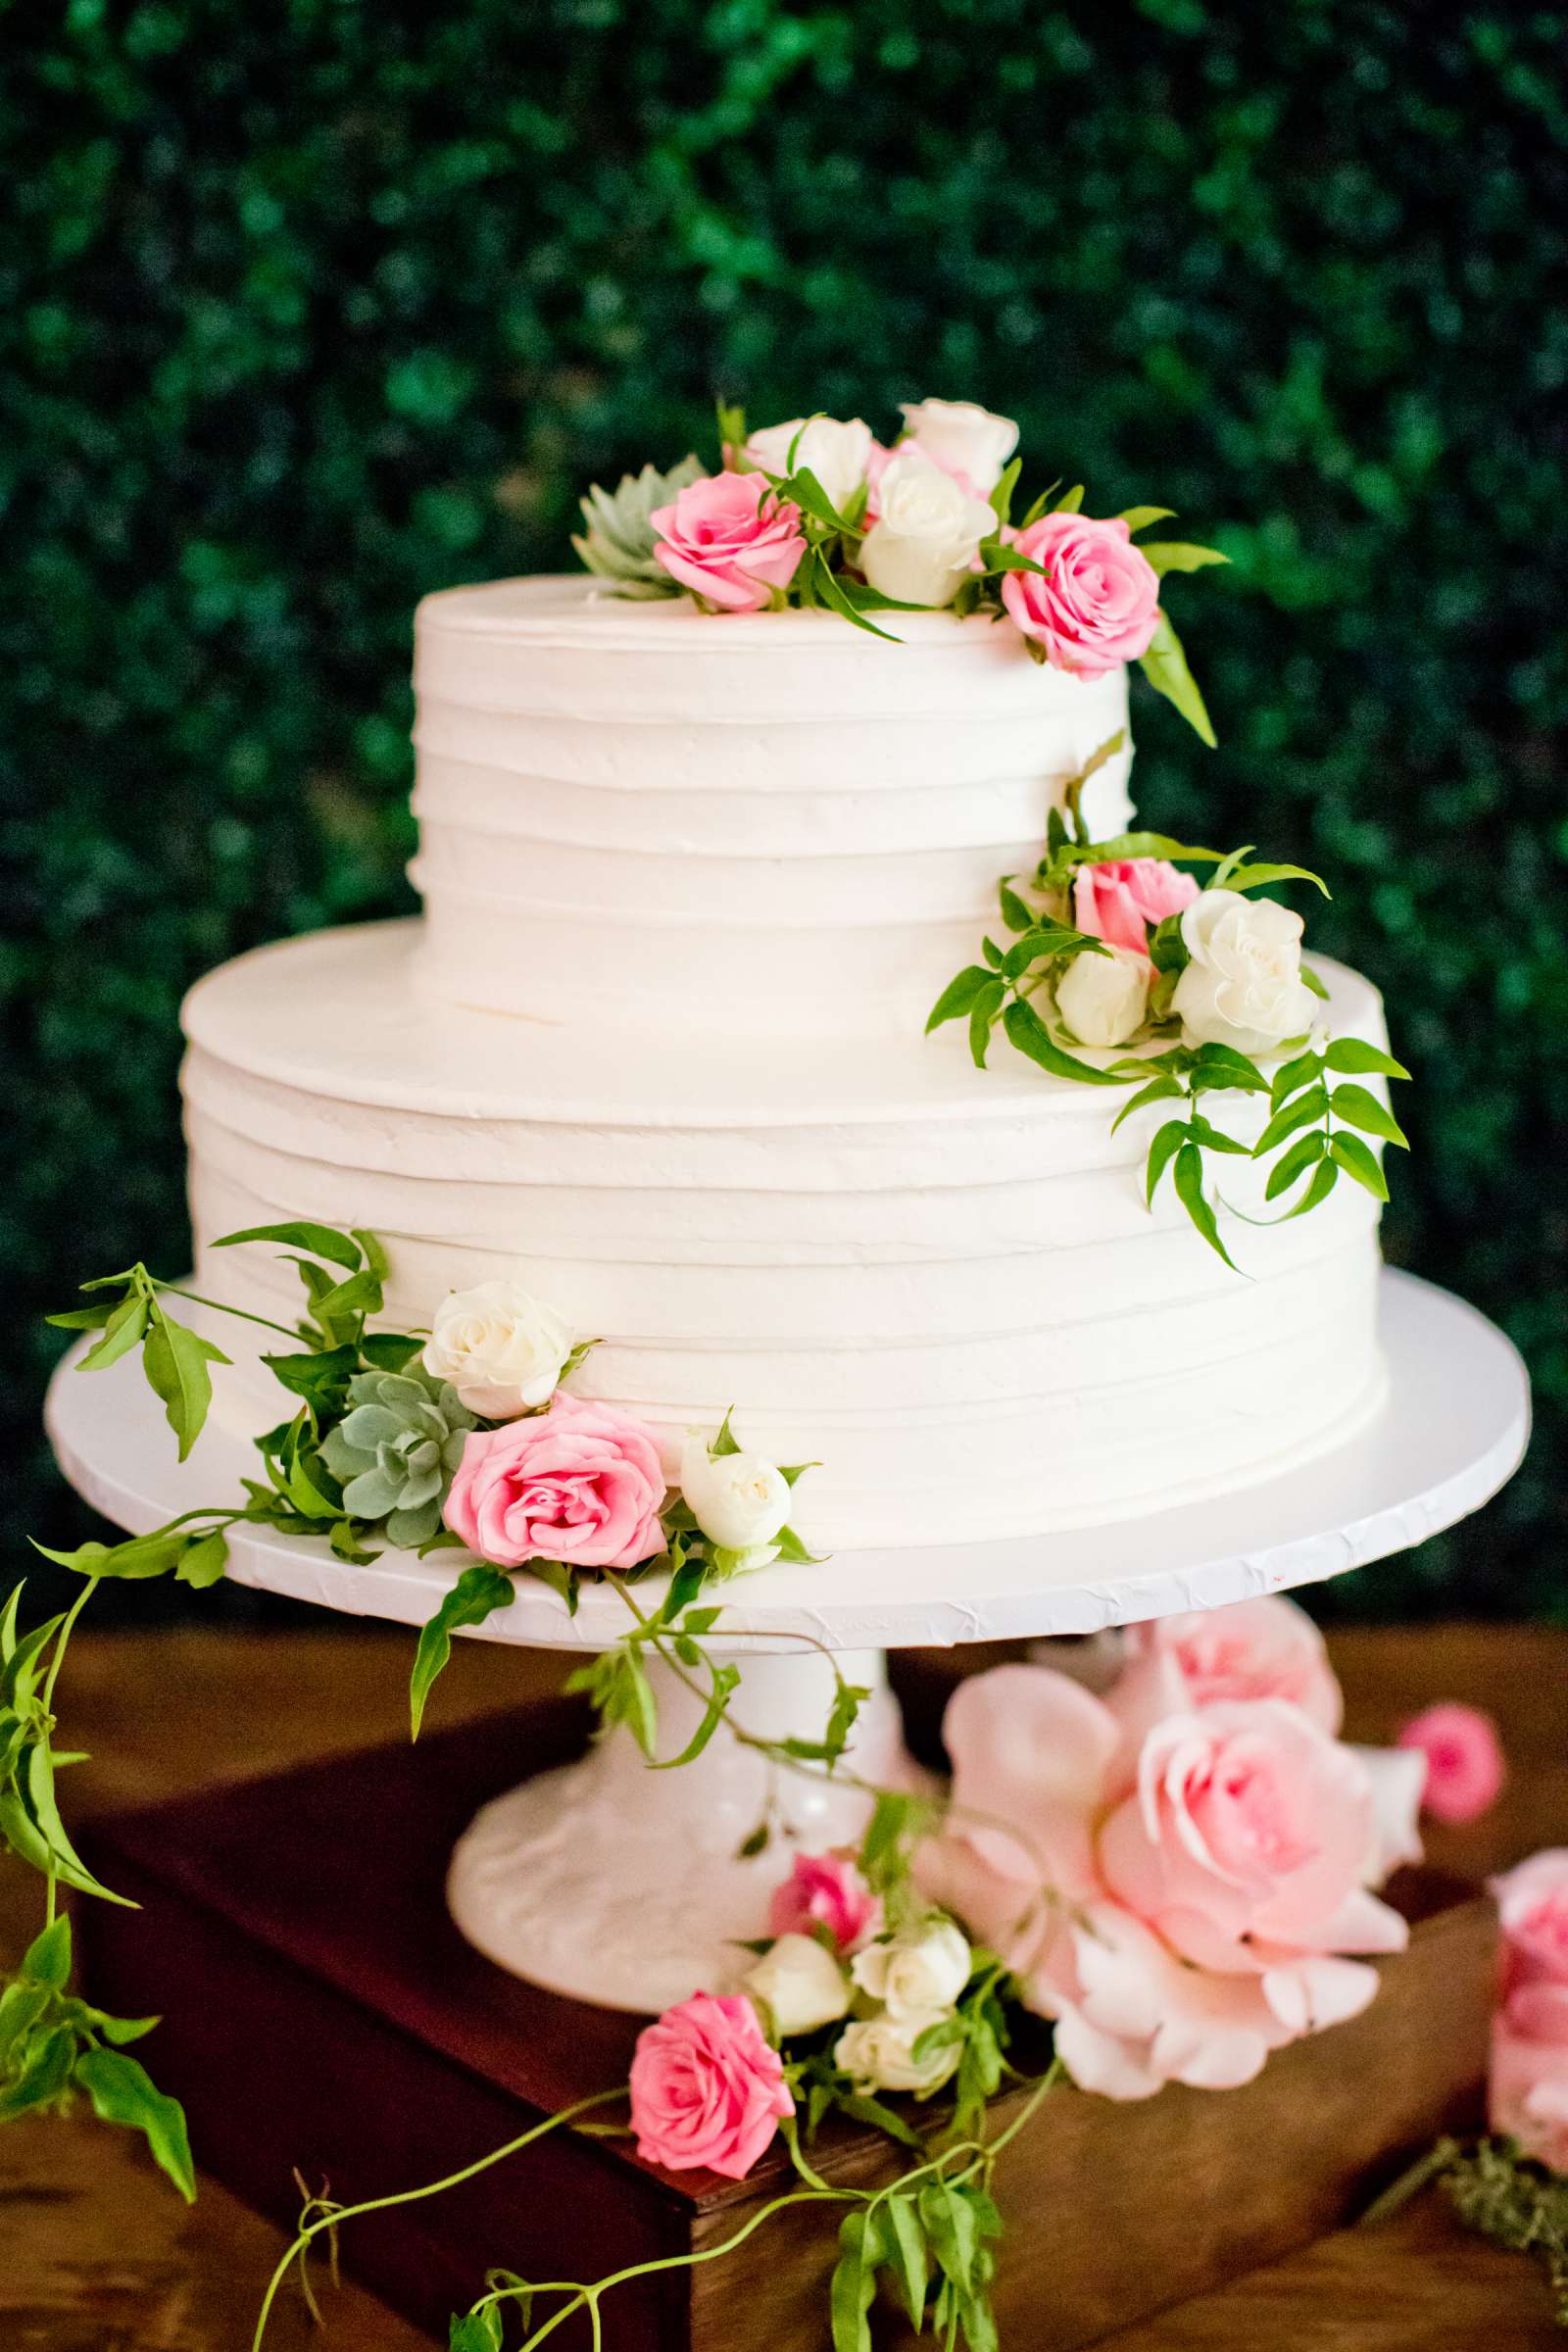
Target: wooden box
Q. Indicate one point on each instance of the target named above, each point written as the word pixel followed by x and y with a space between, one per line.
pixel 323 2013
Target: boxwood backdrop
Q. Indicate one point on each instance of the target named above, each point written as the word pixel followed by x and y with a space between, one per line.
pixel 310 308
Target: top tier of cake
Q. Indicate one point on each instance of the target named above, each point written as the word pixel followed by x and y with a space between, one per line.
pixel 651 817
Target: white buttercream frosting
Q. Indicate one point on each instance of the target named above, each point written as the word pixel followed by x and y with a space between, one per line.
pixel 942 1285
pixel 773 824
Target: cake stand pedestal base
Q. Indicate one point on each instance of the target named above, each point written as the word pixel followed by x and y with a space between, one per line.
pixel 629 1887
pixel 347 2028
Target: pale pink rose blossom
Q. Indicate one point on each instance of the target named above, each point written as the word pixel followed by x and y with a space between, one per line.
pixel 825 1890
pixel 1465 1768
pixel 729 540
pixel 580 1484
pixel 1528 2087
pixel 1261 1648
pixel 1123 899
pixel 1181 1895
pixel 1097 605
pixel 708 2089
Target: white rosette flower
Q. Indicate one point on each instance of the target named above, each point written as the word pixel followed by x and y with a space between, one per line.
pixel 1242 986
pixel 801 1985
pixel 1102 998
pixel 739 1500
pixel 919 1973
pixel 962 438
pixel 877 2053
pixel 835 450
pixel 501 1349
pixel 927 532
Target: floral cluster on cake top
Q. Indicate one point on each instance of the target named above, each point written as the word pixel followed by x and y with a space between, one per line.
pixel 817 512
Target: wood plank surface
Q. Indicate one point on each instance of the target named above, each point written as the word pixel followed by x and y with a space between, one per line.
pixel 98 2255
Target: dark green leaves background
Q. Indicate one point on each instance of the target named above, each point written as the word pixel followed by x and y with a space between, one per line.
pixel 308 308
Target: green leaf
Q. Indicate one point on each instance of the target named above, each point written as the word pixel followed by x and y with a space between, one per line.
pixel 21 2006
pixel 1298 1113
pixel 1349 1153
pixel 358 1294
pixel 860 2108
pixel 1180 554
pixel 321 1240
pixel 1359 1108
pixel 476 2331
pixel 755 1842
pixel 1072 501
pixel 1164 665
pixel 1138 519
pixel 1295 1162
pixel 831 590
pixel 1158 1090
pixel 121 2091
pixel 44 2076
pixel 1140 845
pixel 1214 1139
pixel 1348 1056
pixel 1317 1191
pixel 203 1562
pixel 1190 1192
pixel 957 997
pixel 1015 913
pixel 1163 1150
pixel 36 1795
pixel 123 1328
pixel 908 2260
pixel 726 1443
pixel 1310 980
pixel 854 2282
pixel 724 1683
pixel 47 1959
pixel 1295 1072
pixel 320 1378
pixel 175 1360
pixel 82 1318
pixel 478 1594
pixel 391 1350
pixel 1028 1033
pixel 1001 495
pixel 982 1013
pixel 1258 877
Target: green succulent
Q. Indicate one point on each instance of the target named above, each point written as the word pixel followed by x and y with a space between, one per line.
pixel 617 540
pixel 395 1448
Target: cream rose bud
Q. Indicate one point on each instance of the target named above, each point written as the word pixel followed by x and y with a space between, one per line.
pixel 926 534
pixel 801 1984
pixel 738 1501
pixel 1102 998
pixel 837 451
pixel 877 2053
pixel 923 1969
pixel 502 1349
pixel 1242 987
pixel 962 438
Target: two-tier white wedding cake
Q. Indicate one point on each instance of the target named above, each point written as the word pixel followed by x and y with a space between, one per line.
pixel 693 879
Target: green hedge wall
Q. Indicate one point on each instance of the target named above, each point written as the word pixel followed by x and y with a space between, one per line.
pixel 310 308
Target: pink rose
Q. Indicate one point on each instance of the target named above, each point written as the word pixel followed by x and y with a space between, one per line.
pixel 1122 899
pixel 580 1484
pixel 1098 604
pixel 825 1890
pixel 1262 1649
pixel 707 2087
pixel 730 540
pixel 1533 1912
pixel 1465 1768
pixel 1527 2092
pixel 1178 1896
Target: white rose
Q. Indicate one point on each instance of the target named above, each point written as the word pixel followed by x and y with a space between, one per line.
pixel 500 1347
pixel 1244 986
pixel 1102 998
pixel 837 451
pixel 802 1984
pixel 738 1501
pixel 959 434
pixel 877 2053
pixel 921 1971
pixel 927 532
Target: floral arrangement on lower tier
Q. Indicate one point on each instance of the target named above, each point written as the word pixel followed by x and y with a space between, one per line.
pixel 816 513
pixel 1112 944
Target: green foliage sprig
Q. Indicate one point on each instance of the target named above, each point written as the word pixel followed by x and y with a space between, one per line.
pixel 1008 987
pixel 1499 2191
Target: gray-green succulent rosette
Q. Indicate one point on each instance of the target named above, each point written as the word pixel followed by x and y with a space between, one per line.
pixel 396 1449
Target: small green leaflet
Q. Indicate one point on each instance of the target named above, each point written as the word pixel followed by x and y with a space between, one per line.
pixel 476 2331
pixel 1359 1108
pixel 1164 665
pixel 1180 554
pixel 122 2093
pixel 1029 1034
pixel 1189 1191
pixel 478 1594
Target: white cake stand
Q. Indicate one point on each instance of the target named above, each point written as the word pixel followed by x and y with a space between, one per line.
pixel 623 1886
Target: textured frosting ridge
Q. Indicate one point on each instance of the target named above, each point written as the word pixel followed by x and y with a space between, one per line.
pixel 771 824
pixel 945 1289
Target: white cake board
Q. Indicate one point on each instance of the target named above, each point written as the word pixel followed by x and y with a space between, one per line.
pixel 604 1882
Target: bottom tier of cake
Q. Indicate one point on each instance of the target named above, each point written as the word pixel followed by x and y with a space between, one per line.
pixel 942 1285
